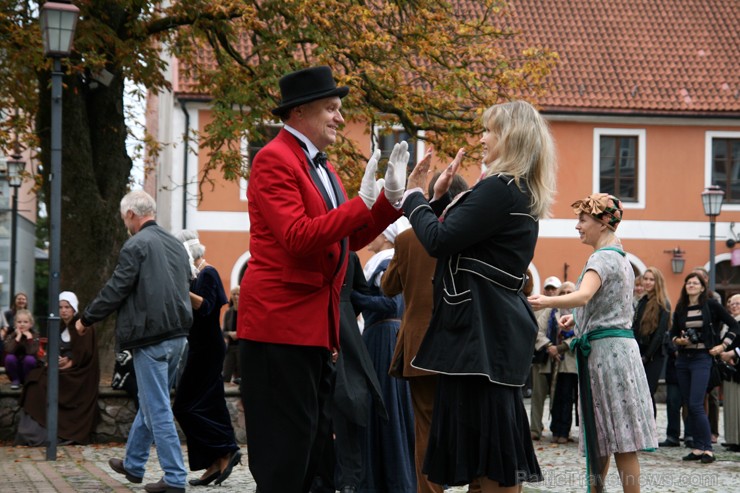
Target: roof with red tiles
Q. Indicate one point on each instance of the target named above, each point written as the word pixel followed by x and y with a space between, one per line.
pixel 637 56
pixel 646 57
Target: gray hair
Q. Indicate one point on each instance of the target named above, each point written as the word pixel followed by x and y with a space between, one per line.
pixel 190 239
pixel 140 203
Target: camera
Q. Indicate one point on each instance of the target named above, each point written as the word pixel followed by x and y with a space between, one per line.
pixel 693 335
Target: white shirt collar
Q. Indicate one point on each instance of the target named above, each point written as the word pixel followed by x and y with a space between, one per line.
pixel 312 149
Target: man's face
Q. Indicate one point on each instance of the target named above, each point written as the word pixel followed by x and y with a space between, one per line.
pixel 551 291
pixel 318 120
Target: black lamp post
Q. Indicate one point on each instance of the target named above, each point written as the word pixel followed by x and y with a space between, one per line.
pixel 712 198
pixel 15 179
pixel 58 21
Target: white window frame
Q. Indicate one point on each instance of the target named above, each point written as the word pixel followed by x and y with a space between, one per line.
pixel 641 135
pixel 420 144
pixel 709 136
pixel 244 149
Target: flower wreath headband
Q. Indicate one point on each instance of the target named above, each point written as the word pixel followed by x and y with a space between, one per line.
pixel 603 207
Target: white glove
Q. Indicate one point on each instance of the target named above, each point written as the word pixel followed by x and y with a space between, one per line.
pixel 395 174
pixel 369 188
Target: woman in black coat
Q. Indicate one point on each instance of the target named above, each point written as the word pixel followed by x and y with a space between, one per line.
pixel 200 401
pixel 482 331
pixel 651 324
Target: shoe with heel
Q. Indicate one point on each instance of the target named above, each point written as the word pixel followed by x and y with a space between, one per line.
pixel 236 458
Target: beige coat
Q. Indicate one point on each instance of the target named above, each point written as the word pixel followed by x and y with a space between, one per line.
pixel 568 363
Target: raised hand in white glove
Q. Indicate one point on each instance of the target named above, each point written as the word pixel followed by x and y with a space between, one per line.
pixel 369 188
pixel 395 174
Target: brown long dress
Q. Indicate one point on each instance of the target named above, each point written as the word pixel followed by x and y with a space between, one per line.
pixel 78 390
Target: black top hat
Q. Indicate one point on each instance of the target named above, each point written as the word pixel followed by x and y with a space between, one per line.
pixel 307 85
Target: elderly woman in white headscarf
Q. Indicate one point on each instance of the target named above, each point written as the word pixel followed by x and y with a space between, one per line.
pixel 79 378
pixel 389 450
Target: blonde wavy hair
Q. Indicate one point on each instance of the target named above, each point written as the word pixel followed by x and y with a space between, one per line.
pixel 525 150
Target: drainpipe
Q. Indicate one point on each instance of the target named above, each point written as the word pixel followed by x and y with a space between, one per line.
pixel 186 148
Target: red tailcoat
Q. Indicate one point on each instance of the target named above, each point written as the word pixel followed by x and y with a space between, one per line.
pixel 290 292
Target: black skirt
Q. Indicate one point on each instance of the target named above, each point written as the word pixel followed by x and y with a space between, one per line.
pixel 479 429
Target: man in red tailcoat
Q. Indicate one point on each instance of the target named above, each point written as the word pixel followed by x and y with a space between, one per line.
pixel 302 227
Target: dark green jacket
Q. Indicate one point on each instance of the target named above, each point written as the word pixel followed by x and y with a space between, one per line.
pixel 150 289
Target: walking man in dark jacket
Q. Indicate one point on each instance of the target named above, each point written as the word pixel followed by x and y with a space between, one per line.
pixel 150 290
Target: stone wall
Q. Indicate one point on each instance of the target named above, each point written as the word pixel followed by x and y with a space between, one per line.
pixel 117 413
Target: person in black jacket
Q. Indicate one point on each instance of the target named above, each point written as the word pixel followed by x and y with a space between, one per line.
pixel 731 385
pixel 482 331
pixel 150 289
pixel 651 324
pixel 696 327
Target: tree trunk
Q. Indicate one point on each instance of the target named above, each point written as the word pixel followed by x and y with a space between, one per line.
pixel 95 172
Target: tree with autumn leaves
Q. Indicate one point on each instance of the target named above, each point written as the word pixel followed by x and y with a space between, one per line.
pixel 429 65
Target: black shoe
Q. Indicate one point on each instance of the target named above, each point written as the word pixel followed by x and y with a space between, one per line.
pixel 162 487
pixel 117 465
pixel 205 481
pixel 708 459
pixel 236 458
pixel 668 442
pixel 693 456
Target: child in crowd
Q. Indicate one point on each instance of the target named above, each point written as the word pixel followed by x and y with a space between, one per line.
pixel 21 346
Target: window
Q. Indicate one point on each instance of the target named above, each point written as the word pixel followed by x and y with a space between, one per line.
pixel 725 165
pixel 250 148
pixel 269 132
pixel 619 164
pixel 388 137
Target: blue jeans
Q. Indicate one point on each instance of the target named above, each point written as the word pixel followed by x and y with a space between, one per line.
pixel 156 370
pixel 692 371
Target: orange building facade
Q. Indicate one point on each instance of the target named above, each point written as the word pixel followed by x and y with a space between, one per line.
pixel 664 89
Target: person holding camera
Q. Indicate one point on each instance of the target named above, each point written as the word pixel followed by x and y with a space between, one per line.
pixel 696 325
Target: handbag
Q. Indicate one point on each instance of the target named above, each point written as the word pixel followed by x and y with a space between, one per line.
pixel 715 377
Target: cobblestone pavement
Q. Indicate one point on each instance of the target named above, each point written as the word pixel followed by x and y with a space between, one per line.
pixel 85 469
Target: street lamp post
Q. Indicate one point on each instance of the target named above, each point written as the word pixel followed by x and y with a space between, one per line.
pixel 711 199
pixel 15 178
pixel 58 21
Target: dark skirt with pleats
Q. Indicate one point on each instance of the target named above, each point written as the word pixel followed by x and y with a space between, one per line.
pixel 479 429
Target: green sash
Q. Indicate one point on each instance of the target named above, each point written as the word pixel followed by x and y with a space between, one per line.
pixel 582 347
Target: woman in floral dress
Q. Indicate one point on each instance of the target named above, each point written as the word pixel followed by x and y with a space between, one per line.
pixel 616 410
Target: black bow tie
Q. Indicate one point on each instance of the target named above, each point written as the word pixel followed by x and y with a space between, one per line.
pixel 320 160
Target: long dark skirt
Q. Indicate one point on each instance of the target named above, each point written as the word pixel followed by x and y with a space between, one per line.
pixel 479 429
pixel 200 404
pixel 389 445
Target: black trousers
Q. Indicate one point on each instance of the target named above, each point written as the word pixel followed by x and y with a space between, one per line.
pixel 285 391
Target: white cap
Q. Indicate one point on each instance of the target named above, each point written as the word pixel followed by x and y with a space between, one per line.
pixel 552 281
pixel 70 298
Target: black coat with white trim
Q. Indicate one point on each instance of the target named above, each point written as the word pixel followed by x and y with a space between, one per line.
pixel 482 323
